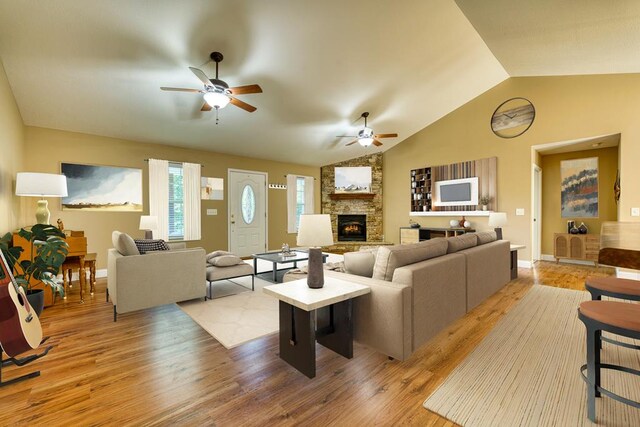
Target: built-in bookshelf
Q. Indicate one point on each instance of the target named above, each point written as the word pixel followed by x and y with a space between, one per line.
pixel 421 190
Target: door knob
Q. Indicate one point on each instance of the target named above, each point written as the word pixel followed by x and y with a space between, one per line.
pixel 233 222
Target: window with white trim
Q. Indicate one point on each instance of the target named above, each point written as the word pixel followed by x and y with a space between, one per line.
pixel 300 199
pixel 176 202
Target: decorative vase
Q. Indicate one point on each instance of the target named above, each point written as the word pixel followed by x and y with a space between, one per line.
pixel 484 207
pixel 461 222
pixel 36 300
pixel 574 230
pixel 453 223
pixel 570 225
pixel 583 229
pixel 467 224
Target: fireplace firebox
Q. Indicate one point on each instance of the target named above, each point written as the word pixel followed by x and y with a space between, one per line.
pixel 352 228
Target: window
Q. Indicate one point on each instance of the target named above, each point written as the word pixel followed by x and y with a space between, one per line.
pixel 248 201
pixel 176 202
pixel 300 199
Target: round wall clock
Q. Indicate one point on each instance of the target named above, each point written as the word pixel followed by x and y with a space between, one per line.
pixel 513 117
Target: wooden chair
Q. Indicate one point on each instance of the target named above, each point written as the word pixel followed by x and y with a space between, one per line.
pixel 73 263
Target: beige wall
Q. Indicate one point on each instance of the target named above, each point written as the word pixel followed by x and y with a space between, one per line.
pixel 567 108
pixel 46 148
pixel 552 221
pixel 11 147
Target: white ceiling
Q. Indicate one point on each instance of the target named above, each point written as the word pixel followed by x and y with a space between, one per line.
pixel 96 67
pixel 559 37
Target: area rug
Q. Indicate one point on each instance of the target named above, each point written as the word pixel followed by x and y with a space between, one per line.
pixel 238 318
pixel 526 371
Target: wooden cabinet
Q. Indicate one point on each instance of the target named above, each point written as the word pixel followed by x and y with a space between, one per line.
pixel 576 246
pixel 415 235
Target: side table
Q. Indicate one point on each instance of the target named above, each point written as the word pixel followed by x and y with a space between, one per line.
pixel 309 315
pixel 514 260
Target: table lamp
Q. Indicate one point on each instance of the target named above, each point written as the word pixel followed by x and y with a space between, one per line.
pixel 497 220
pixel 314 232
pixel 41 185
pixel 148 223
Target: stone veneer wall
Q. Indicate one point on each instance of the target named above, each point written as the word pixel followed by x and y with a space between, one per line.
pixel 372 208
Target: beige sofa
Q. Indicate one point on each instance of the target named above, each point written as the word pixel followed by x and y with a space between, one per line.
pixel 136 282
pixel 419 289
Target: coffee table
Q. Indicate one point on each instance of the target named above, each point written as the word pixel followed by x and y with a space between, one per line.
pixel 278 258
pixel 309 315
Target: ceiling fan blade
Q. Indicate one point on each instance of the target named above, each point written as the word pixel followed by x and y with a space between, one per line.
pixel 377 143
pixel 206 107
pixel 351 143
pixel 244 90
pixel 179 89
pixel 201 76
pixel 386 135
pixel 243 105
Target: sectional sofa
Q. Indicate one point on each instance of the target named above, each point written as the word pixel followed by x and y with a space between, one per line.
pixel 419 289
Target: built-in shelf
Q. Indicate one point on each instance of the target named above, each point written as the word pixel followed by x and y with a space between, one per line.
pixel 451 213
pixel 349 196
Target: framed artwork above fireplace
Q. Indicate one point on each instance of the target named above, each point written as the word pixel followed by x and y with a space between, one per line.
pixel 355 179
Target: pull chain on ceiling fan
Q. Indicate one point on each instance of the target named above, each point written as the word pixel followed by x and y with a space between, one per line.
pixel 366 137
pixel 217 93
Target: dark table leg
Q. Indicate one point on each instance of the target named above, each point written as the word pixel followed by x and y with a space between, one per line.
pixel 514 264
pixel 298 338
pixel 275 272
pixel 255 266
pixel 335 327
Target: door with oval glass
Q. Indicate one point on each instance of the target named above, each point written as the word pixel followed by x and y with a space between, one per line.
pixel 247 212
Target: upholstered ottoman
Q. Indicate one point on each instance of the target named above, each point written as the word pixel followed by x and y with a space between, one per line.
pixel 225 273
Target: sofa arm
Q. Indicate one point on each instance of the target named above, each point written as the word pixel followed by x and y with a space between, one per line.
pixel 158 278
pixel 382 318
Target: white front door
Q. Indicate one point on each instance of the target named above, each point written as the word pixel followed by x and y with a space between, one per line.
pixel 247 212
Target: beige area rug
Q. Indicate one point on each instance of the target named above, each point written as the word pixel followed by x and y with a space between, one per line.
pixel 239 317
pixel 526 371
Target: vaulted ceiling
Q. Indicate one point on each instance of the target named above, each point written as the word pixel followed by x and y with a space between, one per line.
pixel 96 67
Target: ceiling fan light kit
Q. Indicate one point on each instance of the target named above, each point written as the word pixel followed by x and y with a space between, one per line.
pixel 217 99
pixel 366 137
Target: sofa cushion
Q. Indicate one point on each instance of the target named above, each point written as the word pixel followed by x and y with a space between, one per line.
pixel 459 243
pixel 225 260
pixel 216 254
pixel 486 237
pixel 360 263
pixel 150 245
pixel 391 257
pixel 124 244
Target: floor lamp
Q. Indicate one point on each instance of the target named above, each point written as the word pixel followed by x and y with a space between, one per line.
pixel 41 185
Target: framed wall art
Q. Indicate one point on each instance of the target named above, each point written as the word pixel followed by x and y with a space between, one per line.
pixel 579 188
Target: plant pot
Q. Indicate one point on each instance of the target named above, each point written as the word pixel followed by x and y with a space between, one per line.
pixel 484 207
pixel 36 300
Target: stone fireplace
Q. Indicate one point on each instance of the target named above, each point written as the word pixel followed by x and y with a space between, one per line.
pixel 352 228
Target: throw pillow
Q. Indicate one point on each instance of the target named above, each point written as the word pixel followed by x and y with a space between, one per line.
pixel 486 237
pixel 225 260
pixel 216 254
pixel 151 245
pixel 126 246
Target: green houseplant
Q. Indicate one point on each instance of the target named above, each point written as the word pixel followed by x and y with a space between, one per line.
pixel 484 201
pixel 48 251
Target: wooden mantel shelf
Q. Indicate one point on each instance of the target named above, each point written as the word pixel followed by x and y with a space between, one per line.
pixel 345 196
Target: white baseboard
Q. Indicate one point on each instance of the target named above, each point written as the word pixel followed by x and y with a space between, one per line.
pixel 625 273
pixel 525 264
pixel 547 257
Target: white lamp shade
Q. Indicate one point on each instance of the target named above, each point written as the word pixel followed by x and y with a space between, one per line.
pixel 315 230
pixel 148 222
pixel 41 184
pixel 497 219
pixel 216 99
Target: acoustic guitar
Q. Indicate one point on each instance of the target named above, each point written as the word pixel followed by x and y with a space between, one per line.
pixel 20 328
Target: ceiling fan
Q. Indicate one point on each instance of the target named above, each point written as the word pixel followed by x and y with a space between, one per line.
pixel 366 137
pixel 217 93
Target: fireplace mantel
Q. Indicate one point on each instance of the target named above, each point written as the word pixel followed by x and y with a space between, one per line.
pixel 349 196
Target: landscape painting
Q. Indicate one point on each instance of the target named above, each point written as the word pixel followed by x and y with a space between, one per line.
pixel 102 188
pixel 353 179
pixel 211 188
pixel 579 188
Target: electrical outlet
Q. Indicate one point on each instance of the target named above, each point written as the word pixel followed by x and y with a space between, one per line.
pixel 520 211
pixel 635 211
pixel 212 211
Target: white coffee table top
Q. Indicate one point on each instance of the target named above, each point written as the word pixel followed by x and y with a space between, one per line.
pixel 298 293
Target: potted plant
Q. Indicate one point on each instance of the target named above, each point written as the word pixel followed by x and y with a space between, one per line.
pixel 484 201
pixel 48 252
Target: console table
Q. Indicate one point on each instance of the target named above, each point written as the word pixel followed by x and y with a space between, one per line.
pixel 415 235
pixel 309 315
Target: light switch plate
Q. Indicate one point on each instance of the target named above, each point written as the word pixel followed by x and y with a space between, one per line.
pixel 635 211
pixel 212 211
pixel 520 211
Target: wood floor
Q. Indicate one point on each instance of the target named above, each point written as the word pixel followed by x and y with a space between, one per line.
pixel 158 367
